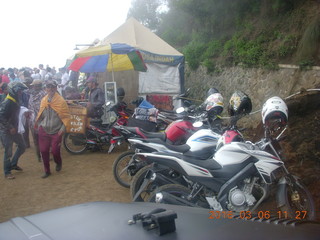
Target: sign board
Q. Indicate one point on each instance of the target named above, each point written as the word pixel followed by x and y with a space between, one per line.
pixel 78 121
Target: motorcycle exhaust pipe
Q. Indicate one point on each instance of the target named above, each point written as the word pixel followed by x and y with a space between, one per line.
pixel 164 197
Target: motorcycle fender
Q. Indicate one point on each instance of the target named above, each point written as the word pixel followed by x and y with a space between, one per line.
pixel 111 148
pixel 281 192
pixel 282 189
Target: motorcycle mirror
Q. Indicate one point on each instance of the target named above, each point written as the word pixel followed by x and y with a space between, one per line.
pixel 180 110
pixel 197 124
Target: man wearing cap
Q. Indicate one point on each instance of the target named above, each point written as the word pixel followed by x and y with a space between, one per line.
pixel 9 121
pixel 51 122
pixel 36 95
pixel 96 99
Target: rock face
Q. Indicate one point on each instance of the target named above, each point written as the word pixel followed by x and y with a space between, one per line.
pixel 301 146
pixel 259 84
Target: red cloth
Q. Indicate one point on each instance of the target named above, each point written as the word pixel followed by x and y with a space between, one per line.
pixel 5 79
pixel 163 102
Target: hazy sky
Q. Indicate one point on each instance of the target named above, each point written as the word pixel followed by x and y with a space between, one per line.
pixel 43 31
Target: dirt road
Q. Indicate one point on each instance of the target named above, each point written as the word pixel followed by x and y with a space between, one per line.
pixel 83 178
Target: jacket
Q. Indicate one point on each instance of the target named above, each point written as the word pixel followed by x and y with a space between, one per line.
pixel 9 114
pixel 96 98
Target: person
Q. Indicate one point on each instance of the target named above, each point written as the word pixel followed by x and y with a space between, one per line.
pixel 9 120
pixel 64 80
pixel 25 102
pixel 72 94
pixel 36 94
pixel 96 99
pixel 57 76
pixel 36 74
pixel 74 76
pixel 49 74
pixel 43 72
pixel 3 91
pixel 51 122
pixel 5 78
pixel 14 78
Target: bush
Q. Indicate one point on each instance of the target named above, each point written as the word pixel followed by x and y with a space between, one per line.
pixel 193 54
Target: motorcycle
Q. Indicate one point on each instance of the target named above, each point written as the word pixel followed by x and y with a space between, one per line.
pixel 128 164
pixel 98 135
pixel 174 138
pixel 239 177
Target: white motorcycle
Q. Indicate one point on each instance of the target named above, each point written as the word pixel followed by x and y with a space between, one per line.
pixel 239 177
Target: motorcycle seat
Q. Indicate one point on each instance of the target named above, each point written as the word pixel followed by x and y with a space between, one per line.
pixel 177 148
pixel 209 163
pixel 146 135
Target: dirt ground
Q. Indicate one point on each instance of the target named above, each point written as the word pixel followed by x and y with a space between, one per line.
pixel 83 178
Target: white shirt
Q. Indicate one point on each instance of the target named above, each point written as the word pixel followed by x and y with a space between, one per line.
pixel 64 80
pixel 48 76
pixel 36 76
pixel 43 73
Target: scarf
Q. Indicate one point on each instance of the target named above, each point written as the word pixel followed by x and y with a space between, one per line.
pixel 59 105
pixel 11 98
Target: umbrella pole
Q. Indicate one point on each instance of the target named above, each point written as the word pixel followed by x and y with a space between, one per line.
pixel 112 67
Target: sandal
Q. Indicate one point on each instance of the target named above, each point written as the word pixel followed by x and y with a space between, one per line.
pixel 10 176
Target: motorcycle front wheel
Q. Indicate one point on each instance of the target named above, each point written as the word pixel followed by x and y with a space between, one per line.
pixel 75 143
pixel 122 171
pixel 298 202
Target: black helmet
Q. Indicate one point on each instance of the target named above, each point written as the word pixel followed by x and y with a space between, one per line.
pixel 15 86
pixel 138 101
pixel 212 91
pixel 239 103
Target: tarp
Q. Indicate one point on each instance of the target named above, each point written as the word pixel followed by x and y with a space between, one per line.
pixel 165 64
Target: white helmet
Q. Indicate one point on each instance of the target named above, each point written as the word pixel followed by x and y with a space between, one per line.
pixel 274 108
pixel 214 103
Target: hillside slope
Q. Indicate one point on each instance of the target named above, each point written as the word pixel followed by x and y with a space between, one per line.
pixel 301 145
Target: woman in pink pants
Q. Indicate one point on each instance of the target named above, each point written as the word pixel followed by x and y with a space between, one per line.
pixel 51 123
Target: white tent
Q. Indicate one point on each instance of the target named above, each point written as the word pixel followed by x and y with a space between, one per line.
pixel 165 74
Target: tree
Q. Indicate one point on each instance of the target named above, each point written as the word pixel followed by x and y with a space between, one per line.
pixel 148 12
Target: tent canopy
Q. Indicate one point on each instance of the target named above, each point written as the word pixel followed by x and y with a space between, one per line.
pixel 165 74
pixel 135 34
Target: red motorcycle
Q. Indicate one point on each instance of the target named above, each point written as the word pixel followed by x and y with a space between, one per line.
pixel 98 136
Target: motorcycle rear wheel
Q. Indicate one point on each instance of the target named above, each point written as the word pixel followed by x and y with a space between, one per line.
pixel 136 183
pixel 298 202
pixel 75 143
pixel 164 176
pixel 120 170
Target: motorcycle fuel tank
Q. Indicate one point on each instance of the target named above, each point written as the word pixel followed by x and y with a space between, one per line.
pixel 202 139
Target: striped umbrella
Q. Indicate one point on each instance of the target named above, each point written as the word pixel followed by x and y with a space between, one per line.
pixel 110 57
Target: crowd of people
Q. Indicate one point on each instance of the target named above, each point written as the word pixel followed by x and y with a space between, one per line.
pixel 35 100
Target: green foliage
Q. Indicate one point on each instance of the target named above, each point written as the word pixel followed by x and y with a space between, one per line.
pixel 147 12
pixel 193 54
pixel 287 48
pixel 230 32
pixel 213 49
